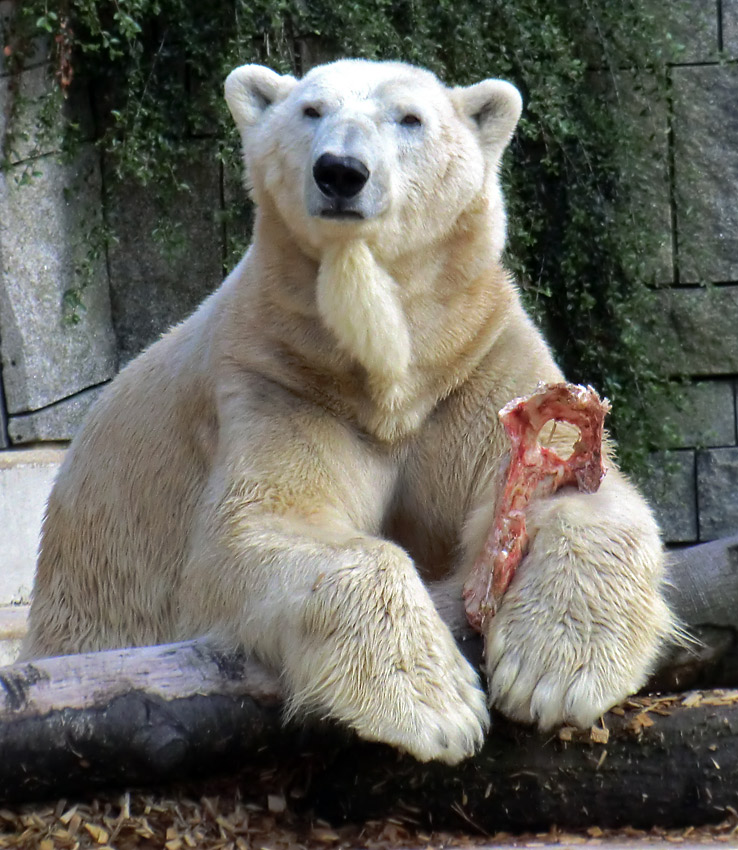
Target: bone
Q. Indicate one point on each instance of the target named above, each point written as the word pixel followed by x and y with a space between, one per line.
pixel 534 471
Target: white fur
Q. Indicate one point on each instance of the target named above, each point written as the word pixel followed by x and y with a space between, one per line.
pixel 282 471
pixel 358 301
pixel 575 631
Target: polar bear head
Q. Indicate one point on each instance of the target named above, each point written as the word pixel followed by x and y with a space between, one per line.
pixel 373 167
pixel 379 151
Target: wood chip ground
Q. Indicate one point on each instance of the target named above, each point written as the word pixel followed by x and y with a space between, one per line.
pixel 229 820
pixel 255 812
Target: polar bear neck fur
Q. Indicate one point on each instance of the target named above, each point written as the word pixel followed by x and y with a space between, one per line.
pixel 342 319
pixel 360 304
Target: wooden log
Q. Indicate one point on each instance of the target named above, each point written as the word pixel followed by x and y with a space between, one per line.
pixel 669 761
pixel 130 716
pixel 703 593
pixel 666 761
pixel 704 583
pixel 154 714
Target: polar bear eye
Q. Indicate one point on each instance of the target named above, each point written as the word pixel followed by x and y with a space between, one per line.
pixel 410 120
pixel 310 112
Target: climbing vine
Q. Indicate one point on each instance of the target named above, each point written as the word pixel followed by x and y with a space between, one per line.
pixel 583 234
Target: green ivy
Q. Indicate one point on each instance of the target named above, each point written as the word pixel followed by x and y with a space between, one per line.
pixel 582 237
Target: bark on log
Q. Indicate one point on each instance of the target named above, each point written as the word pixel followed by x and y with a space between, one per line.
pixel 128 717
pixel 670 761
pixel 681 770
pixel 703 592
pixel 156 714
pixel 704 582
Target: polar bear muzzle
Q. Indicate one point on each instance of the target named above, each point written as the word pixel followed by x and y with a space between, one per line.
pixel 348 175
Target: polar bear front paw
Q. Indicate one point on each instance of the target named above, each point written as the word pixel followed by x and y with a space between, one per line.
pixel 550 686
pixel 584 619
pixel 547 667
pixel 399 680
pixel 433 714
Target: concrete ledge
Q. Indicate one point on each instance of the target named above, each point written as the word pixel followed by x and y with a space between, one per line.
pixel 33 457
pixel 26 478
pixel 13 622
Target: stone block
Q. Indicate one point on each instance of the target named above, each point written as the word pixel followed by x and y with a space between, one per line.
pixel 26 477
pixel 34 115
pixel 694 25
pixel 39 49
pixel 706 172
pixel 163 262
pixel 730 28
pixel 59 421
pixel 639 103
pixel 669 486
pixel 703 415
pixel 717 492
pixel 3 416
pixel 606 39
pixel 698 327
pixel 53 347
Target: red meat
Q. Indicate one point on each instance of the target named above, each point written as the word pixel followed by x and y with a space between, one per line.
pixel 534 471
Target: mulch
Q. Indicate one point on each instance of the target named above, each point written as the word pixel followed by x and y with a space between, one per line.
pixel 225 816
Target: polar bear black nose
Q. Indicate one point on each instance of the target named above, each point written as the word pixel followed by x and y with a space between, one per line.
pixel 340 176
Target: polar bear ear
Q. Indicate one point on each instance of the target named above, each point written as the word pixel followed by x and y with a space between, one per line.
pixel 251 89
pixel 494 106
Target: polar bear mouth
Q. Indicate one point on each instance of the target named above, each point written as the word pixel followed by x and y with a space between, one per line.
pixel 341 215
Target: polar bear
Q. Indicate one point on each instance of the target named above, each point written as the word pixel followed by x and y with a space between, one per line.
pixel 291 468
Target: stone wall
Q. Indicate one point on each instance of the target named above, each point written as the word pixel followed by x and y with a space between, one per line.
pixel 71 316
pixel 695 483
pixel 56 355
